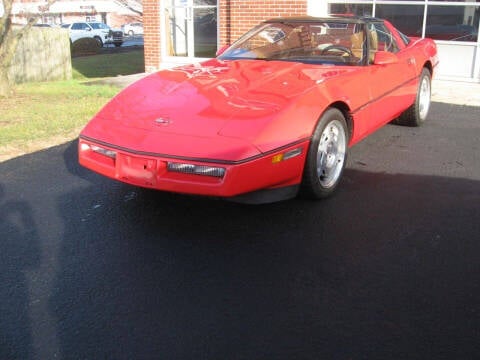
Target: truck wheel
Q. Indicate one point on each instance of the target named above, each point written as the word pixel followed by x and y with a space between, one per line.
pixel 100 42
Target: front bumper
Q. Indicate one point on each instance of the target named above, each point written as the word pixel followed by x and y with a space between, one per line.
pixel 114 37
pixel 281 168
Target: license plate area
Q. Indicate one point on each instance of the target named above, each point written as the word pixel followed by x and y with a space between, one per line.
pixel 137 170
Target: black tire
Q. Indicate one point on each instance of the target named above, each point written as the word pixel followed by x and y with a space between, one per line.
pixel 99 40
pixel 326 156
pixel 118 44
pixel 416 114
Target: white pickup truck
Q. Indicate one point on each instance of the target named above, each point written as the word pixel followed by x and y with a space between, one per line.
pixel 97 30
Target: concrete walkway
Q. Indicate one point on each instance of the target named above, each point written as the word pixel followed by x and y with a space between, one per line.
pixel 446 91
pixel 456 92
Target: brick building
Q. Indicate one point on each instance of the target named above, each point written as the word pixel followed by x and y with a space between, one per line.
pixel 195 29
pixel 184 31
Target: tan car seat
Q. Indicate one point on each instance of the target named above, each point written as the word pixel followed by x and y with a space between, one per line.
pixel 373 37
pixel 357 41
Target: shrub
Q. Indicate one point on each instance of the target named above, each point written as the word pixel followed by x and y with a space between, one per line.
pixel 85 46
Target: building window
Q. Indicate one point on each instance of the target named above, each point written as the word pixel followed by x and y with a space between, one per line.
pixel 455 23
pixel 449 22
pixel 354 9
pixel 406 18
pixel 191 27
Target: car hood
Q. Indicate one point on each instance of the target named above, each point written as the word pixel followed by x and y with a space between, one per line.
pixel 206 102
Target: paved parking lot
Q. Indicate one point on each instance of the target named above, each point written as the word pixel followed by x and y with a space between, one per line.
pixel 387 269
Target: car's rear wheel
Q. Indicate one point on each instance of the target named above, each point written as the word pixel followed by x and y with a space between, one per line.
pixel 416 114
pixel 326 156
pixel 130 33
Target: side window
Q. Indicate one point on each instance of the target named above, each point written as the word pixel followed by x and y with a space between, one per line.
pixel 77 26
pixel 384 38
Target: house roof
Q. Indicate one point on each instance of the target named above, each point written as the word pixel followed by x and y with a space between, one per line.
pixel 76 6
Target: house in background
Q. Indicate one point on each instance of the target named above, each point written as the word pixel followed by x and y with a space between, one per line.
pixel 185 31
pixel 114 13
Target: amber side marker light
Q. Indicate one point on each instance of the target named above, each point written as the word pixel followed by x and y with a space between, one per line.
pixel 286 155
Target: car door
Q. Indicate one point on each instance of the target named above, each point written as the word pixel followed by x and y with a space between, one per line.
pixel 392 83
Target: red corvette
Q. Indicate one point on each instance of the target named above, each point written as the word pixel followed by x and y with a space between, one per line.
pixel 273 115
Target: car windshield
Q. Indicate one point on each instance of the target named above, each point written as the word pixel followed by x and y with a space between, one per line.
pixel 323 42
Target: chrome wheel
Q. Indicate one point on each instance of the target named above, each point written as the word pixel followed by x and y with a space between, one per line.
pixel 331 153
pixel 327 155
pixel 424 98
pixel 417 113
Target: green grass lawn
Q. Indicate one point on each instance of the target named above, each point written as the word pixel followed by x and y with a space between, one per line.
pixel 43 114
pixel 40 115
pixel 106 65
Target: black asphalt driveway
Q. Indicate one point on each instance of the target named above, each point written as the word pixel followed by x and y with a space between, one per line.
pixel 389 268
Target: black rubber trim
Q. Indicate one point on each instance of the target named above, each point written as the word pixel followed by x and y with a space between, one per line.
pixel 185 158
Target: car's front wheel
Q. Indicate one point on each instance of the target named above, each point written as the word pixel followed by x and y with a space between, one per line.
pixel 99 40
pixel 416 114
pixel 326 156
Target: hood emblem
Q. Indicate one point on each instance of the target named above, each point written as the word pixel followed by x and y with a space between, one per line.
pixel 163 121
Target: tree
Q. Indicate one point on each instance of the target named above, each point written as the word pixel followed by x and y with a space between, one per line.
pixel 135 6
pixel 10 35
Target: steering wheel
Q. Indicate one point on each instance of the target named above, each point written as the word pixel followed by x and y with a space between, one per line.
pixel 338 48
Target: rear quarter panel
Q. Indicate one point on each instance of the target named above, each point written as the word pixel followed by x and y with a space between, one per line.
pixel 424 50
pixel 425 53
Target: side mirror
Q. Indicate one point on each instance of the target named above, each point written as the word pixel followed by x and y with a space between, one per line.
pixel 385 58
pixel 222 50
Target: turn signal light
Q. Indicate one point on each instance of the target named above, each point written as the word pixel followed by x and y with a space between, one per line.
pixel 286 155
pixel 99 150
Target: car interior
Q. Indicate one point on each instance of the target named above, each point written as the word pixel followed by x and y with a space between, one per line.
pixel 324 43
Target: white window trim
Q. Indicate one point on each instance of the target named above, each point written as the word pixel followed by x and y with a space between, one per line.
pixel 169 61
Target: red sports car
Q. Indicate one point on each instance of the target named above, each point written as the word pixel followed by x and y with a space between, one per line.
pixel 273 115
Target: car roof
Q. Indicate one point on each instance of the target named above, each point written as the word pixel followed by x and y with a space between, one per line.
pixel 350 19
